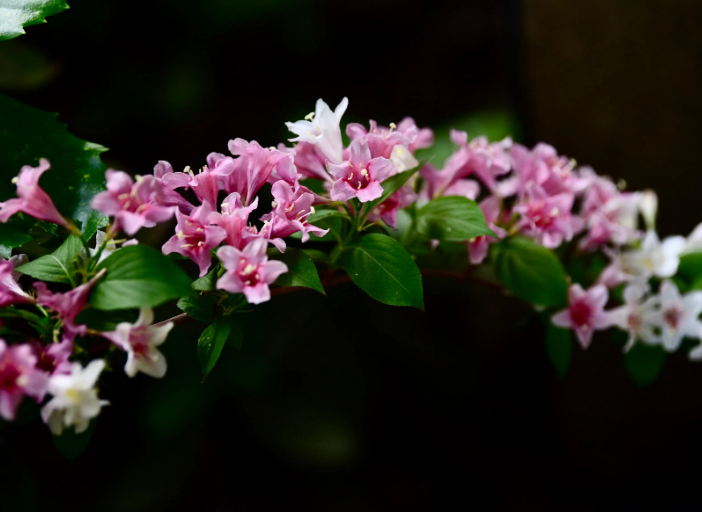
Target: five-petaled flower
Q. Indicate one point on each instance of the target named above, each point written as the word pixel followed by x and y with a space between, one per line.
pixel 360 176
pixel 585 314
pixel 19 377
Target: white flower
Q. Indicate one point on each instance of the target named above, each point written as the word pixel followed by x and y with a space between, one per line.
pixel 109 248
pixel 648 206
pixel 679 315
pixel 640 318
pixel 322 129
pixel 140 340
pixel 402 158
pixel 654 257
pixel 75 401
pixel 694 240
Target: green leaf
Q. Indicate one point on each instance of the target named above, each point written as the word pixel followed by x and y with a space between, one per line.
pixel 72 445
pixel 316 255
pixel 15 14
pixel 58 266
pixel 392 185
pixel 105 320
pixel 558 348
pixel 138 276
pixel 382 268
pixel 76 173
pixel 15 233
pixel 334 225
pixel 691 266
pixel 325 214
pixel 212 340
pixel 530 271
pixel 452 219
pixel 205 283
pixel 644 363
pixel 301 270
pixel 200 307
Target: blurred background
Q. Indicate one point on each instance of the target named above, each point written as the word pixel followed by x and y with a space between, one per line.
pixel 341 403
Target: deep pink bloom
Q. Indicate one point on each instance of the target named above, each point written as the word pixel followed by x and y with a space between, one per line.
pixel 19 377
pixel 204 184
pixel 67 305
pixel 133 205
pixel 247 174
pixel 586 313
pixel 10 291
pixel 389 209
pixel 165 191
pixel 291 209
pixel 195 236
pixel 478 247
pixel 547 219
pixel 249 271
pixel 234 219
pixel 361 175
pixel 53 358
pixel 32 199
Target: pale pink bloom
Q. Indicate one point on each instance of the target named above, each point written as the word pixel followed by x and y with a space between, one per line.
pixel 249 271
pixel 586 313
pixel 309 161
pixel 389 209
pixel 547 219
pixel 18 377
pixel 380 139
pixel 234 219
pixel 10 290
pixel 361 175
pixel 680 315
pixel 165 188
pixel 420 138
pixel 75 401
pixel 195 236
pixel 205 184
pixel 641 317
pixel 478 247
pixel 291 207
pixel 286 170
pixel 140 340
pixel 464 188
pixel 322 129
pixel 545 167
pixel 248 173
pixel 32 199
pixel 67 305
pixel 133 205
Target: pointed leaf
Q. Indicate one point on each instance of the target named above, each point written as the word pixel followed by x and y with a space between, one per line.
pixel 382 268
pixel 213 339
pixel 559 348
pixel 58 266
pixel 200 307
pixel 452 219
pixel 138 276
pixel 301 270
pixel 15 14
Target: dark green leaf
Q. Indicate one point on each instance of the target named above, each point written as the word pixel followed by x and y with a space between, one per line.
pixel 138 276
pixel 382 268
pixel 15 233
pixel 15 14
pixel 530 271
pixel 325 214
pixel 205 283
pixel 452 219
pixel 334 225
pixel 558 348
pixel 301 270
pixel 644 363
pixel 72 445
pixel 76 173
pixel 316 255
pixel 58 266
pixel 105 320
pixel 200 307
pixel 691 266
pixel 212 340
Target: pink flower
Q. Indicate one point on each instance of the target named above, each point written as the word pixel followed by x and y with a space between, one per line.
pixel 249 271
pixel 389 209
pixel 133 205
pixel 381 140
pixel 67 305
pixel 247 174
pixel 195 236
pixel 585 314
pixel 545 167
pixel 478 247
pixel 286 170
pixel 361 175
pixel 32 199
pixel 309 161
pixel 547 218
pixel 19 377
pixel 204 184
pixel 53 358
pixel 140 340
pixel 10 290
pixel 233 219
pixel 291 209
pixel 420 138
pixel 165 191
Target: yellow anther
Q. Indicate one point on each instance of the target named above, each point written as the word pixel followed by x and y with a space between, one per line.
pixel 180 234
pixel 274 204
pixel 15 180
pixel 393 126
pixel 312 210
pixel 309 116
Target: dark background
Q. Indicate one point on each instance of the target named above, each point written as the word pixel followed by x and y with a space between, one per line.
pixel 340 403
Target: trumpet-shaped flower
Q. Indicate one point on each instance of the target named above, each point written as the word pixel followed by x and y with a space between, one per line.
pixel 140 340
pixel 233 219
pixel 10 290
pixel 322 129
pixel 478 247
pixel 291 209
pixel 75 401
pixel 53 358
pixel 18 377
pixel 165 189
pixel 205 183
pixel 133 205
pixel 32 199
pixel 680 315
pixel 361 175
pixel 249 271
pixel 195 237
pixel 641 317
pixel 585 314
